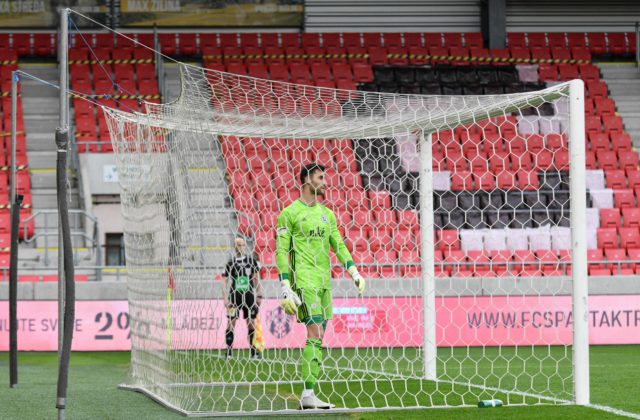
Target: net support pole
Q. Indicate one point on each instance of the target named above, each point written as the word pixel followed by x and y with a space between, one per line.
pixel 427 258
pixel 15 212
pixel 63 47
pixel 578 192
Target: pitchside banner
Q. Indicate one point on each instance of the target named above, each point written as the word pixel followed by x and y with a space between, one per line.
pixel 372 322
pixel 217 13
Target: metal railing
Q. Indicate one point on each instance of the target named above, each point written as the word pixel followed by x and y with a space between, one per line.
pixel 87 229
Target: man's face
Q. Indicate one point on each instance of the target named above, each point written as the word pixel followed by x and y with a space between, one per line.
pixel 240 246
pixel 317 183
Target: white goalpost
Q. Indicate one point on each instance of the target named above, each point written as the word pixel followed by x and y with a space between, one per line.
pixel 467 215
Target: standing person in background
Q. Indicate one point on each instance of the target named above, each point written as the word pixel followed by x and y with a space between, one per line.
pixel 242 293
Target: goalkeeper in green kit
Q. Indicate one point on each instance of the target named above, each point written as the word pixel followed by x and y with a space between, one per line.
pixel 306 229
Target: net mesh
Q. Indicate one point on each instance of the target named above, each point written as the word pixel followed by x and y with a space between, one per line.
pixel 224 160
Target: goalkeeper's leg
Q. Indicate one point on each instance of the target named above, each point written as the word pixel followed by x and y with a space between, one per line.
pixel 313 314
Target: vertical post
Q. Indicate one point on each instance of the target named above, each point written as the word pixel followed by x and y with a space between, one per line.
pixel 578 193
pixel 429 347
pixel 14 127
pixel 637 44
pixel 63 124
pixel 13 277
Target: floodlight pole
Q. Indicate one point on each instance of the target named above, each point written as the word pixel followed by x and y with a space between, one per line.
pixel 63 65
pixel 63 124
pixel 13 275
pixel 429 348
pixel 580 279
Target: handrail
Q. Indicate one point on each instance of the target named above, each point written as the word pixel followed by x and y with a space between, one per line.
pixel 46 232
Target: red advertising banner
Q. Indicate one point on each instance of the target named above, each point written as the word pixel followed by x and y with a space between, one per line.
pixel 370 322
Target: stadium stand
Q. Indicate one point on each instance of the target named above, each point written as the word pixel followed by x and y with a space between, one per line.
pixel 377 179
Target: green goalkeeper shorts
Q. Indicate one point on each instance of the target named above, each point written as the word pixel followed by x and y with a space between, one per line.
pixel 316 307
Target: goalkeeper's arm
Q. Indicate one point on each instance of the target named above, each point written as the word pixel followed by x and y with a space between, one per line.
pixel 343 254
pixel 289 300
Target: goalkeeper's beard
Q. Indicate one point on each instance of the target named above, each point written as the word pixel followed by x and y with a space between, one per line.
pixel 317 192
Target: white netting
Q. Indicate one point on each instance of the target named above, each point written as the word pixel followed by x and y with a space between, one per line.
pixel 224 159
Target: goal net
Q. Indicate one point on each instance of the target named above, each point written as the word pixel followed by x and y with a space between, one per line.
pixel 458 211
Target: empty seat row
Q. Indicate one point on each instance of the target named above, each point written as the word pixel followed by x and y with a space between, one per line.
pixel 617 43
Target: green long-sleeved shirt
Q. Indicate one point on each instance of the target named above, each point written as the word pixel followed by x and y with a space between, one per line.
pixel 304 234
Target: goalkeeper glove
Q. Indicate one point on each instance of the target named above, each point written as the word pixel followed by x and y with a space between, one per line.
pixel 357 279
pixel 288 299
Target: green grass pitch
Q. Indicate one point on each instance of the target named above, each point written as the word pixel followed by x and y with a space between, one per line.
pixel 94 378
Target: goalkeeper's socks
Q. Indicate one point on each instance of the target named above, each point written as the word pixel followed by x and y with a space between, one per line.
pixel 229 339
pixel 252 333
pixel 311 356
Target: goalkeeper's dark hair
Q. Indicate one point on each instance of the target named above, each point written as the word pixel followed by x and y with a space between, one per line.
pixel 308 170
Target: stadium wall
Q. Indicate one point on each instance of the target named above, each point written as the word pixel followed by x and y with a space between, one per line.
pixel 464 15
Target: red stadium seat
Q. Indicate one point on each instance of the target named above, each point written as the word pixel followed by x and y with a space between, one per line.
pixel 168 43
pixel 560 53
pixel 629 237
pixel 633 178
pixel 595 257
pixel 613 123
pixel 448 240
pixel 548 72
pixel 474 40
pixel 597 89
pixel 593 124
pixel 610 218
pixel 331 39
pixel 576 39
pixel 616 179
pixel 188 44
pixel 431 39
pixel 605 106
pixel 461 181
pixel 452 39
pixel 617 43
pixel 42 44
pixel 528 180
pixel 624 199
pixel 351 39
pixel 589 72
pixel 568 72
pixel 607 160
pixel 516 39
pixel 581 54
pixel 628 159
pixel 607 238
pixel 620 141
pixel 597 43
pixel 557 40
pixel 599 142
pixel 392 39
pixel 22 43
pixel 631 217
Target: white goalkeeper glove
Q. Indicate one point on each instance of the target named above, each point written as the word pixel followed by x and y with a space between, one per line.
pixel 288 299
pixel 357 279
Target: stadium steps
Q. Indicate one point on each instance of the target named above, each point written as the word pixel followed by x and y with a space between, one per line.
pixel 624 84
pixel 172 81
pixel 209 238
pixel 40 104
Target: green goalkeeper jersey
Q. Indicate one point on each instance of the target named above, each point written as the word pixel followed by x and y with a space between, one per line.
pixel 304 234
